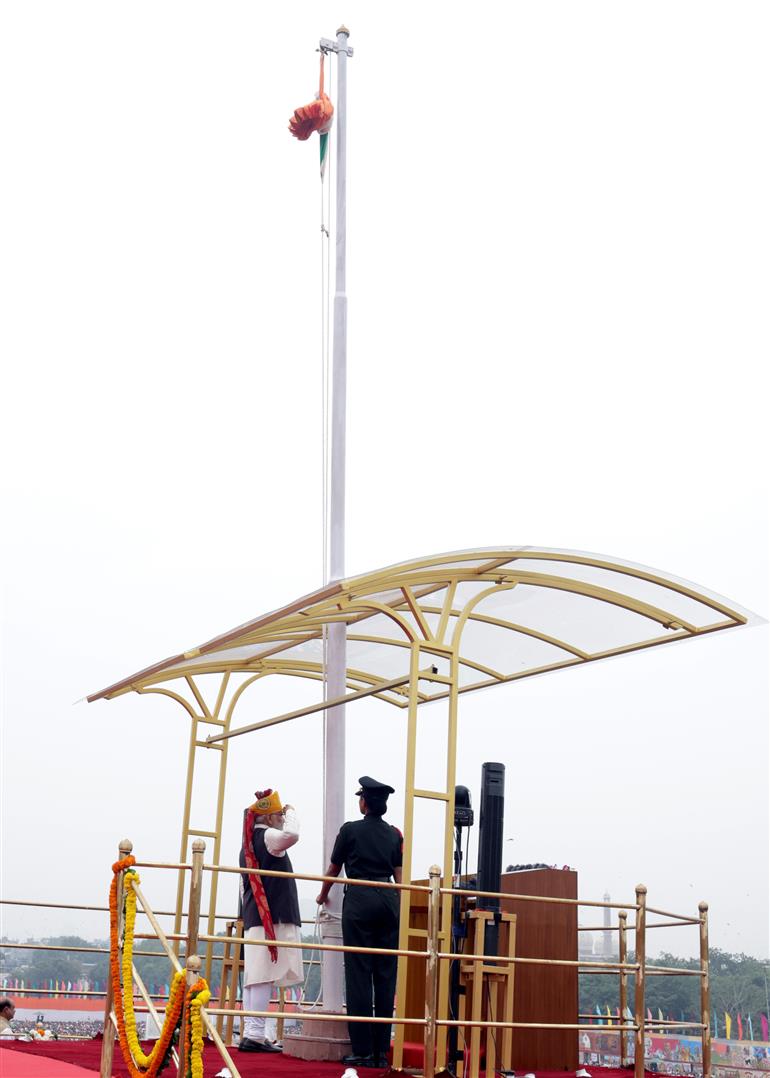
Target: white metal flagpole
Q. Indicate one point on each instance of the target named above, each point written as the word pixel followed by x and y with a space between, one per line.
pixel 336 664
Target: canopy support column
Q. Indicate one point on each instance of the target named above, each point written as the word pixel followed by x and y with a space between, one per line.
pixel 447 796
pixel 200 713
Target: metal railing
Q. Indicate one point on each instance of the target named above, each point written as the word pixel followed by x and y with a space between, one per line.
pixel 645 969
pixel 433 956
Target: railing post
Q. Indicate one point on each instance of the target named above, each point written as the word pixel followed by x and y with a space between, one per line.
pixel 279 1024
pixel 431 973
pixel 194 904
pixel 705 992
pixel 192 961
pixel 622 957
pixel 639 942
pixel 108 1031
pixel 192 973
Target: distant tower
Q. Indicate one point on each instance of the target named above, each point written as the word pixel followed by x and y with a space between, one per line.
pixel 607 948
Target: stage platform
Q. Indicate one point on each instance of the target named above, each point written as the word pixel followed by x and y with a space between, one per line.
pixel 76 1059
pixel 38 1065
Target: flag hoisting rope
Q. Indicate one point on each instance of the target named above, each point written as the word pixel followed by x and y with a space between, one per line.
pixel 318 116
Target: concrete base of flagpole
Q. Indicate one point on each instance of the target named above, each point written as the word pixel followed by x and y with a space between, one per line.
pixel 322 1041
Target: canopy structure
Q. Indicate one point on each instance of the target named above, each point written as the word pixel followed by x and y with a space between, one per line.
pixel 427 630
pixel 509 612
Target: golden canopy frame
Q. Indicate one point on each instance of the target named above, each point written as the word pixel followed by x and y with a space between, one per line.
pixel 426 630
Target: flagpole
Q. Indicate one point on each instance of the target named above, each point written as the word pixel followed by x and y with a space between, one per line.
pixel 336 660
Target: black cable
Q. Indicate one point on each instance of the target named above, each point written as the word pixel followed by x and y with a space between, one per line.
pixel 491 1029
pixel 456 1031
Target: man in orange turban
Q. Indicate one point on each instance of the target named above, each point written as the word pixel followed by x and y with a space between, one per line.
pixel 270 911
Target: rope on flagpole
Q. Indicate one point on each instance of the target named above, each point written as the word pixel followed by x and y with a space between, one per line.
pixel 325 352
pixel 326 228
pixel 316 939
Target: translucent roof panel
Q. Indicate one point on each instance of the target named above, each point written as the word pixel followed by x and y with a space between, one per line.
pixel 647 591
pixel 578 620
pixel 509 612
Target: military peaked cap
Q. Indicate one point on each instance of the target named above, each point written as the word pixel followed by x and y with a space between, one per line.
pixel 368 785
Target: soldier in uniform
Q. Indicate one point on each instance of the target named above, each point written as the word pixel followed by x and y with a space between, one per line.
pixel 270 911
pixel 369 849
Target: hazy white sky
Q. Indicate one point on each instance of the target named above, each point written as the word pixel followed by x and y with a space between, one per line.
pixel 558 235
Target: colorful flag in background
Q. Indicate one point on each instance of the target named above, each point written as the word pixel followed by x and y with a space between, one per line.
pixel 660 1015
pixel 649 1014
pixel 609 1014
pixel 740 1029
pixel 728 1025
pixel 763 1020
pixel 598 1011
pixel 751 1029
pixel 716 1027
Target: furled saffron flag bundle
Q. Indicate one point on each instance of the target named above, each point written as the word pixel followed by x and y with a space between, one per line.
pixel 317 116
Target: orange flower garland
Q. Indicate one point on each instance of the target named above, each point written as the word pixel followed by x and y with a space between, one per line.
pixel 198 995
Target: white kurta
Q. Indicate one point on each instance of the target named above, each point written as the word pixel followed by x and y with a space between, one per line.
pixel 258 966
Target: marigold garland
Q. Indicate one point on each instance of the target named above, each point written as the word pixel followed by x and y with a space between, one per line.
pixel 141 1065
pixel 198 996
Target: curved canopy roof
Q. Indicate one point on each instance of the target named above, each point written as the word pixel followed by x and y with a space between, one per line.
pixel 512 612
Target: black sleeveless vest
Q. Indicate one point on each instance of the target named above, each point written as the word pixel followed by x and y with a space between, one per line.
pixel 281 894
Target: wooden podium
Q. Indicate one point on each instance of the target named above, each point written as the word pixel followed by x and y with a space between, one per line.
pixel 540 993
pixel 544 993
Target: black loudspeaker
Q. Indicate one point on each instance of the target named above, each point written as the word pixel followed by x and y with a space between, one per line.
pixel 491 844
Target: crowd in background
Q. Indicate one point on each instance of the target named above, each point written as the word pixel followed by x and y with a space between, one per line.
pixel 23 1027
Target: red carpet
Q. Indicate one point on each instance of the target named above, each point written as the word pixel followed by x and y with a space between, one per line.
pixel 27 1065
pixel 85 1054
